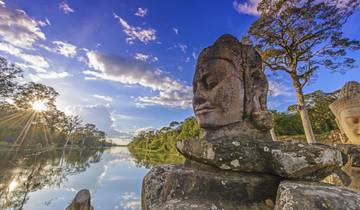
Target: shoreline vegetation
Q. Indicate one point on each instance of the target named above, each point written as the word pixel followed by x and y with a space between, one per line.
pixel 30 118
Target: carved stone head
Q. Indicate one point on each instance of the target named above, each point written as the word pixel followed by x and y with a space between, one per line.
pixel 347 111
pixel 230 87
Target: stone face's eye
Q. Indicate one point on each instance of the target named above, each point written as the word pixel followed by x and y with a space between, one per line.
pixel 208 82
pixel 352 120
pixel 355 120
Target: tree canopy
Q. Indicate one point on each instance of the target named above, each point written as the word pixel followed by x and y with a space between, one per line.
pixel 300 37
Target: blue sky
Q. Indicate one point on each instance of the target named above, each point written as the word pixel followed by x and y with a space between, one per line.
pixel 127 65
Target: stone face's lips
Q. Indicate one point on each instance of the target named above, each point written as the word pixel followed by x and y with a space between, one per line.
pixel 203 108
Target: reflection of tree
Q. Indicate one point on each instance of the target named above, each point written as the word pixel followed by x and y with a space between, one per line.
pixel 29 171
pixel 149 158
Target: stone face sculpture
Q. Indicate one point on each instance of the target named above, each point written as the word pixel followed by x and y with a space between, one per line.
pixel 230 91
pixel 236 166
pixel 347 111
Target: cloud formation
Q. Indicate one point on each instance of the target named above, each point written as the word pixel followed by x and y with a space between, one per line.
pixel 64 48
pixel 131 72
pixel 249 7
pixel 141 12
pixel 49 75
pixel 279 89
pixel 105 98
pixel 99 115
pixel 65 7
pixel 136 33
pixel 35 62
pixel 17 28
pixel 144 57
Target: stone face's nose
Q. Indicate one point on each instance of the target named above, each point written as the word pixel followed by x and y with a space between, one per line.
pixel 198 100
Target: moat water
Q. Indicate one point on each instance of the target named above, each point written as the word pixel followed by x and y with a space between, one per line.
pixel 49 179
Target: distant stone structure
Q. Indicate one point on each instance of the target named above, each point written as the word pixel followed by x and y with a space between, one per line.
pixel 237 165
pixel 347 111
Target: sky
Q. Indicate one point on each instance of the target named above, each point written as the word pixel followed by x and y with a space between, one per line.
pixel 127 65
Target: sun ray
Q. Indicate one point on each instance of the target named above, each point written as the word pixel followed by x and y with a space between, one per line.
pixel 24 130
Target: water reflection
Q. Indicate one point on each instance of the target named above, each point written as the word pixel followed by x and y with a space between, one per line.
pixel 149 158
pixel 49 179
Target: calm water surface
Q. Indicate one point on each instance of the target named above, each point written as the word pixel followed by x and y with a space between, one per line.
pixel 50 179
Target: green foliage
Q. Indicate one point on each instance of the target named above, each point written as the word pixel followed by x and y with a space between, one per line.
pixel 287 123
pixel 8 72
pixel 321 117
pixel 164 140
pixel 21 125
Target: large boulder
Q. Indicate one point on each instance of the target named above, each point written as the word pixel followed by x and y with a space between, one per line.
pixel 291 160
pixel 315 196
pixel 82 201
pixel 179 187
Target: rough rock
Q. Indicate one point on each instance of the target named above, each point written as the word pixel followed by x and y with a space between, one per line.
pixel 178 187
pixel 351 152
pixel 291 160
pixel 315 196
pixel 81 201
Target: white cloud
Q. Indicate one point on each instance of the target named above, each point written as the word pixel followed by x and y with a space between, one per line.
pixel 2 3
pixel 183 47
pixel 54 75
pixel 144 57
pixel 278 89
pixel 105 98
pixel 133 33
pixel 141 56
pixel 64 48
pixel 194 55
pixel 141 12
pixel 35 62
pixel 171 92
pixel 176 31
pixel 99 115
pixel 249 7
pixel 65 8
pixel 44 23
pixel 17 28
pixel 48 75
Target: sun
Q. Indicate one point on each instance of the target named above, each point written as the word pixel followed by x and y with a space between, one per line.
pixel 39 106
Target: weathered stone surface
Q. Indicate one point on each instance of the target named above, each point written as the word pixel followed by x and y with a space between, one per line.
pixel 179 187
pixel 81 201
pixel 351 152
pixel 315 196
pixel 230 91
pixel 292 160
pixel 347 111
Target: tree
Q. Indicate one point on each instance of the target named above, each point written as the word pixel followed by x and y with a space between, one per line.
pixel 8 73
pixel 317 104
pixel 300 36
pixel 32 91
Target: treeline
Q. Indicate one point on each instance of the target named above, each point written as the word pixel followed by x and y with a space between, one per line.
pixel 287 123
pixel 164 140
pixel 29 116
